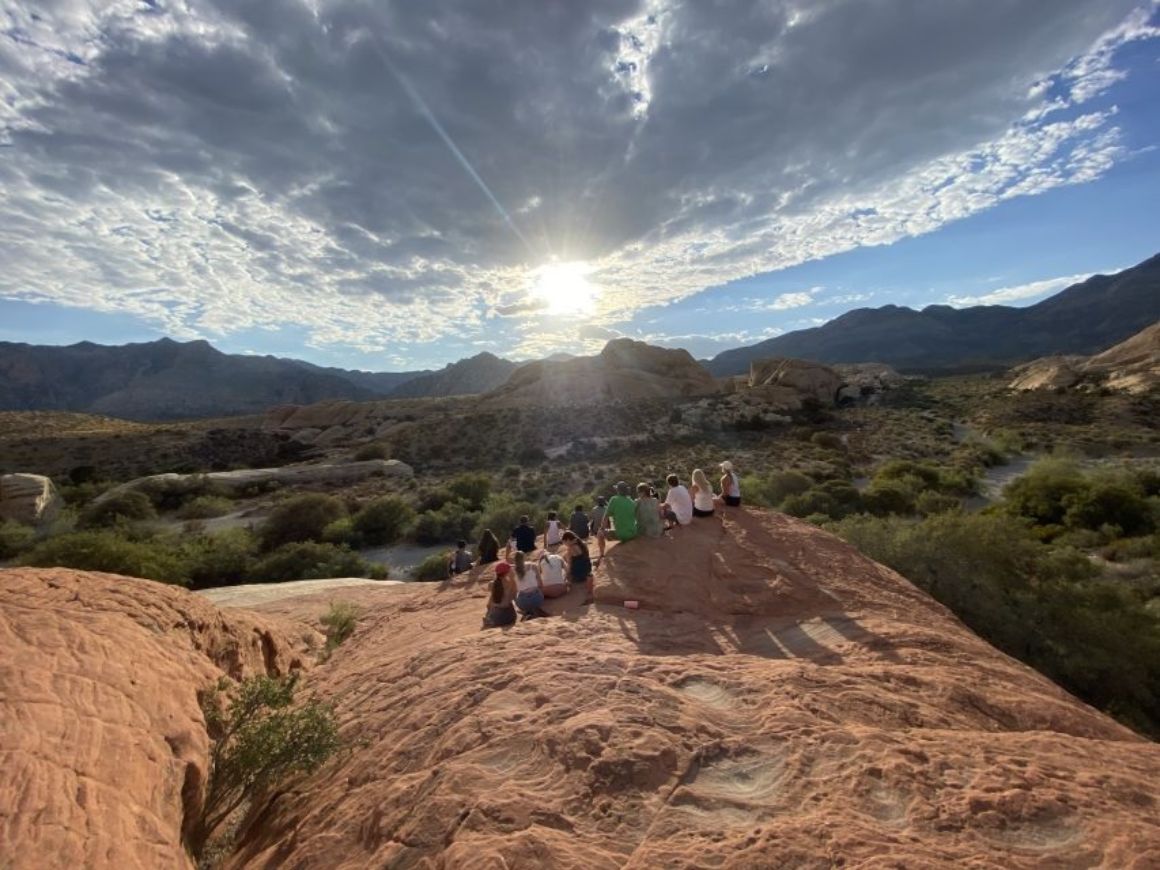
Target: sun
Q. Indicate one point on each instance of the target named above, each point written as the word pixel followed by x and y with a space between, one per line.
pixel 564 288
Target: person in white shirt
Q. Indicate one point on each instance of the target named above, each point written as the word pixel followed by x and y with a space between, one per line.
pixel 703 498
pixel 553 531
pixel 553 575
pixel 678 506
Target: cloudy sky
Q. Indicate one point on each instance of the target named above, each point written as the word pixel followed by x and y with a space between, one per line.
pixel 391 185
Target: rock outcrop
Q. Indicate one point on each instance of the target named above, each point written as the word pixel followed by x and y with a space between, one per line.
pixel 289 475
pixel 104 752
pixel 1132 366
pixel 30 499
pixel 805 379
pixel 624 371
pixel 776 700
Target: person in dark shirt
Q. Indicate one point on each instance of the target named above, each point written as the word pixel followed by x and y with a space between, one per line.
pixel 578 523
pixel 524 536
pixel 460 560
pixel 488 548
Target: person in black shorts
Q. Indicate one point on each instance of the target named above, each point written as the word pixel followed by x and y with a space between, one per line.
pixel 579 564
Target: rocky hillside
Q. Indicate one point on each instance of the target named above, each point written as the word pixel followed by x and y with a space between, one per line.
pixel 477 374
pixel 1081 319
pixel 624 371
pixel 776 700
pixel 1132 366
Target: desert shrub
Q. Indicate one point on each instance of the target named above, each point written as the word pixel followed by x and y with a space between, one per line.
pixel 931 502
pixel 127 506
pixel 383 521
pixel 887 497
pixel 340 622
pixel 310 560
pixel 501 514
pixel 473 489
pixel 827 440
pixel 14 537
pixel 203 507
pixel 261 738
pixel 106 550
pixel 433 499
pixel 1109 503
pixel 170 493
pixel 223 559
pixel 452 521
pixel 83 474
pixel 301 518
pixel 373 450
pixel 812 501
pixel 771 490
pixel 342 533
pixel 846 497
pixel 1039 494
pixel 434 567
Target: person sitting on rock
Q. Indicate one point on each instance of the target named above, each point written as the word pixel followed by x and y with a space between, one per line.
pixel 647 512
pixel 598 524
pixel 460 560
pixel 578 523
pixel 488 547
pixel 678 506
pixel 579 564
pixel 730 485
pixel 523 537
pixel 500 608
pixel 703 499
pixel 553 575
pixel 553 530
pixel 529 587
pixel 622 514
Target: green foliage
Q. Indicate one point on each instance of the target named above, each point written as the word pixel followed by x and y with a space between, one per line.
pixel 451 522
pixel 309 560
pixel 383 521
pixel 14 538
pixel 204 507
pixel 1039 494
pixel 107 550
pixel 127 506
pixel 827 440
pixel 813 501
pixel 1110 503
pixel 472 489
pixel 170 493
pixel 340 622
pixel 261 739
pixel 772 489
pixel 434 567
pixel 1039 603
pixel 887 497
pixel 373 450
pixel 301 518
pixel 342 533
pixel 930 502
pixel 222 559
pixel 501 514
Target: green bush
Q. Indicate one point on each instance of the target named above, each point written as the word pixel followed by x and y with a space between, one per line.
pixel 340 622
pixel 434 567
pixel 813 501
pixel 342 533
pixel 222 559
pixel 106 550
pixel 260 739
pixel 127 506
pixel 1039 494
pixel 383 521
pixel 14 538
pixel 472 489
pixel 301 518
pixel 373 450
pixel 451 522
pixel 771 490
pixel 501 514
pixel 931 502
pixel 309 560
pixel 204 507
pixel 889 497
pixel 1109 503
pixel 827 440
pixel 169 494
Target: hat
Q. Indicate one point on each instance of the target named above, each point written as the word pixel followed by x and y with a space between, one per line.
pixel 623 488
pixel 601 501
pixel 502 568
pixel 726 465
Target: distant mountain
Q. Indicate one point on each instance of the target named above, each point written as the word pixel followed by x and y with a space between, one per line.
pixel 159 380
pixel 478 374
pixel 382 383
pixel 1082 319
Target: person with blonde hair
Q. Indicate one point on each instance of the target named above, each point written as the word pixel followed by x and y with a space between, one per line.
pixel 703 500
pixel 730 485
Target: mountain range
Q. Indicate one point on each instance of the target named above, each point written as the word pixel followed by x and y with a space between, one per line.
pixel 166 379
pixel 1081 319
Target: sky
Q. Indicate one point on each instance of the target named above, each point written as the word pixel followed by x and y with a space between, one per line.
pixel 397 185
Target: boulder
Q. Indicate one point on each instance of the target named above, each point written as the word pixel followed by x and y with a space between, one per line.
pixel 1048 373
pixel 30 499
pixel 1132 366
pixel 809 379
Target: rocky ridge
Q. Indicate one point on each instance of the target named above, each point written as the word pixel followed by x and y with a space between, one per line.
pixel 1132 366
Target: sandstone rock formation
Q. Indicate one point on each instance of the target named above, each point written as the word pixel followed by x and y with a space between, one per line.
pixel 778 700
pixel 104 750
pixel 624 371
pixel 1133 366
pixel 807 379
pixel 867 381
pixel 327 473
pixel 30 499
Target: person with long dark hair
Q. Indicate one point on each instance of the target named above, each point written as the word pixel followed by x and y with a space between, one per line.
pixel 500 610
pixel 579 564
pixel 488 548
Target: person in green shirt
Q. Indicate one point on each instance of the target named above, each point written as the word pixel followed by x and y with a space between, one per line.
pixel 622 513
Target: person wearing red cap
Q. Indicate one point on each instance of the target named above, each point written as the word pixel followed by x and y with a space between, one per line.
pixel 500 603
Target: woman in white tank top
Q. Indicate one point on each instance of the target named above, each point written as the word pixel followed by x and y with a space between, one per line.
pixel 553 532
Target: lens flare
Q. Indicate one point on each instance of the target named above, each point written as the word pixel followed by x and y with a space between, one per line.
pixel 564 288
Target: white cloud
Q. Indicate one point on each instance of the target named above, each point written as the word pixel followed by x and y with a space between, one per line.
pixel 218 167
pixel 1030 290
pixel 847 299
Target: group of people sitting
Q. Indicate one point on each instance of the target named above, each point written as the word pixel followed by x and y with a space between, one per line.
pixel 523 584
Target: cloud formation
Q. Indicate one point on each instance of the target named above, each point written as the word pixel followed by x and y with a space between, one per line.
pixel 1006 295
pixel 391 173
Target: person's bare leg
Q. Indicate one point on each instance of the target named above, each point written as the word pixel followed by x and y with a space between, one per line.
pixel 590 590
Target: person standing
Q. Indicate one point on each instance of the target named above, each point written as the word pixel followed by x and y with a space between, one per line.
pixel 622 513
pixel 648 512
pixel 730 485
pixel 678 502
pixel 598 524
pixel 578 523
pixel 702 492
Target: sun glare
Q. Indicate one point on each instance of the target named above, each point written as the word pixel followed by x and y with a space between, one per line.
pixel 564 288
